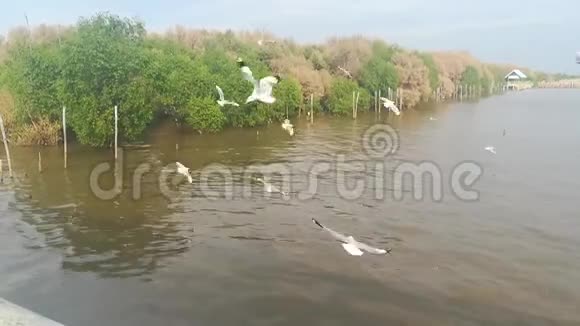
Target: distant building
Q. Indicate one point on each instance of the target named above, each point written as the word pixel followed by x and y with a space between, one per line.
pixel 515 75
pixel 514 78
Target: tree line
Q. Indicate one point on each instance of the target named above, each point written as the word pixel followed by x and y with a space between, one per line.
pixel 107 60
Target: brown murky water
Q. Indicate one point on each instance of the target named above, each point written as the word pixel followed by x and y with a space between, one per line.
pixel 510 257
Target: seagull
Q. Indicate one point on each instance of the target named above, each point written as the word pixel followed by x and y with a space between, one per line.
pixel 270 188
pixel 491 149
pixel 263 88
pixel 183 170
pixel 262 42
pixel 346 72
pixel 286 125
pixel 432 119
pixel 390 105
pixel 352 246
pixel 222 100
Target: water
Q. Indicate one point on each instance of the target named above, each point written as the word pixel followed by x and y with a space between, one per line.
pixel 509 258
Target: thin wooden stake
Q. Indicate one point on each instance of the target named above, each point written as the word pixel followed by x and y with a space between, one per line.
pixel 64 136
pixel 1 173
pixel 311 108
pixel 116 130
pixel 380 104
pixel 356 105
pixel 353 97
pixel 401 101
pixel 39 163
pixel 6 146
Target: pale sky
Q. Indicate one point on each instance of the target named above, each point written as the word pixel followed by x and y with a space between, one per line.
pixel 540 34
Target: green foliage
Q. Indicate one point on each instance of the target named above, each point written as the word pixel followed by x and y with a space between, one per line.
pixel 470 76
pixel 108 61
pixel 485 85
pixel 176 77
pixel 433 71
pixel 106 66
pixel 31 75
pixel 288 94
pixel 340 99
pixel 378 74
pixel 203 114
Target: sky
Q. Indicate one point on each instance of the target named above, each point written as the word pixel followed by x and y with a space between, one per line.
pixel 543 35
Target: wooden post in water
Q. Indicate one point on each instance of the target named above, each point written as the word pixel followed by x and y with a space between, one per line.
pixel 1 173
pixel 356 105
pixel 64 136
pixel 6 146
pixel 116 130
pixel 401 102
pixel 353 96
pixel 311 108
pixel 380 103
pixel 39 163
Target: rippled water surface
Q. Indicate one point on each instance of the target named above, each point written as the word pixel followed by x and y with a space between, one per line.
pixel 509 258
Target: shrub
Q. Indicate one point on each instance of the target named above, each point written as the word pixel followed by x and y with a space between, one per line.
pixel 204 115
pixel 40 132
pixel 105 66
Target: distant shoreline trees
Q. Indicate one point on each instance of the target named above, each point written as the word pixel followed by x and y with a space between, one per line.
pixel 107 60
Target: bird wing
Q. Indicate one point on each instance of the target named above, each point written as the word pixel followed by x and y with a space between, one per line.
pixel 336 235
pixel 370 249
pixel 231 103
pixel 395 109
pixel 180 166
pixel 346 72
pixel 352 249
pixel 266 85
pixel 220 92
pixel 247 74
pixel 387 102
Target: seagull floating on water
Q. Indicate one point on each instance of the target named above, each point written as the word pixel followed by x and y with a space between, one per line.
pixel 346 72
pixel 222 101
pixel 270 188
pixel 491 149
pixel 183 170
pixel 352 246
pixel 262 88
pixel 390 105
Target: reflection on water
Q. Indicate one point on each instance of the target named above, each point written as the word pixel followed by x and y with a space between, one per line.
pixel 511 257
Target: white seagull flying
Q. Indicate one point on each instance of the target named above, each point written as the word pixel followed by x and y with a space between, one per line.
pixel 270 188
pixel 352 246
pixel 286 125
pixel 183 170
pixel 491 149
pixel 390 105
pixel 262 88
pixel 222 101
pixel 346 72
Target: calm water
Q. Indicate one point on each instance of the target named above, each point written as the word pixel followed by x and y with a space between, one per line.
pixel 509 258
